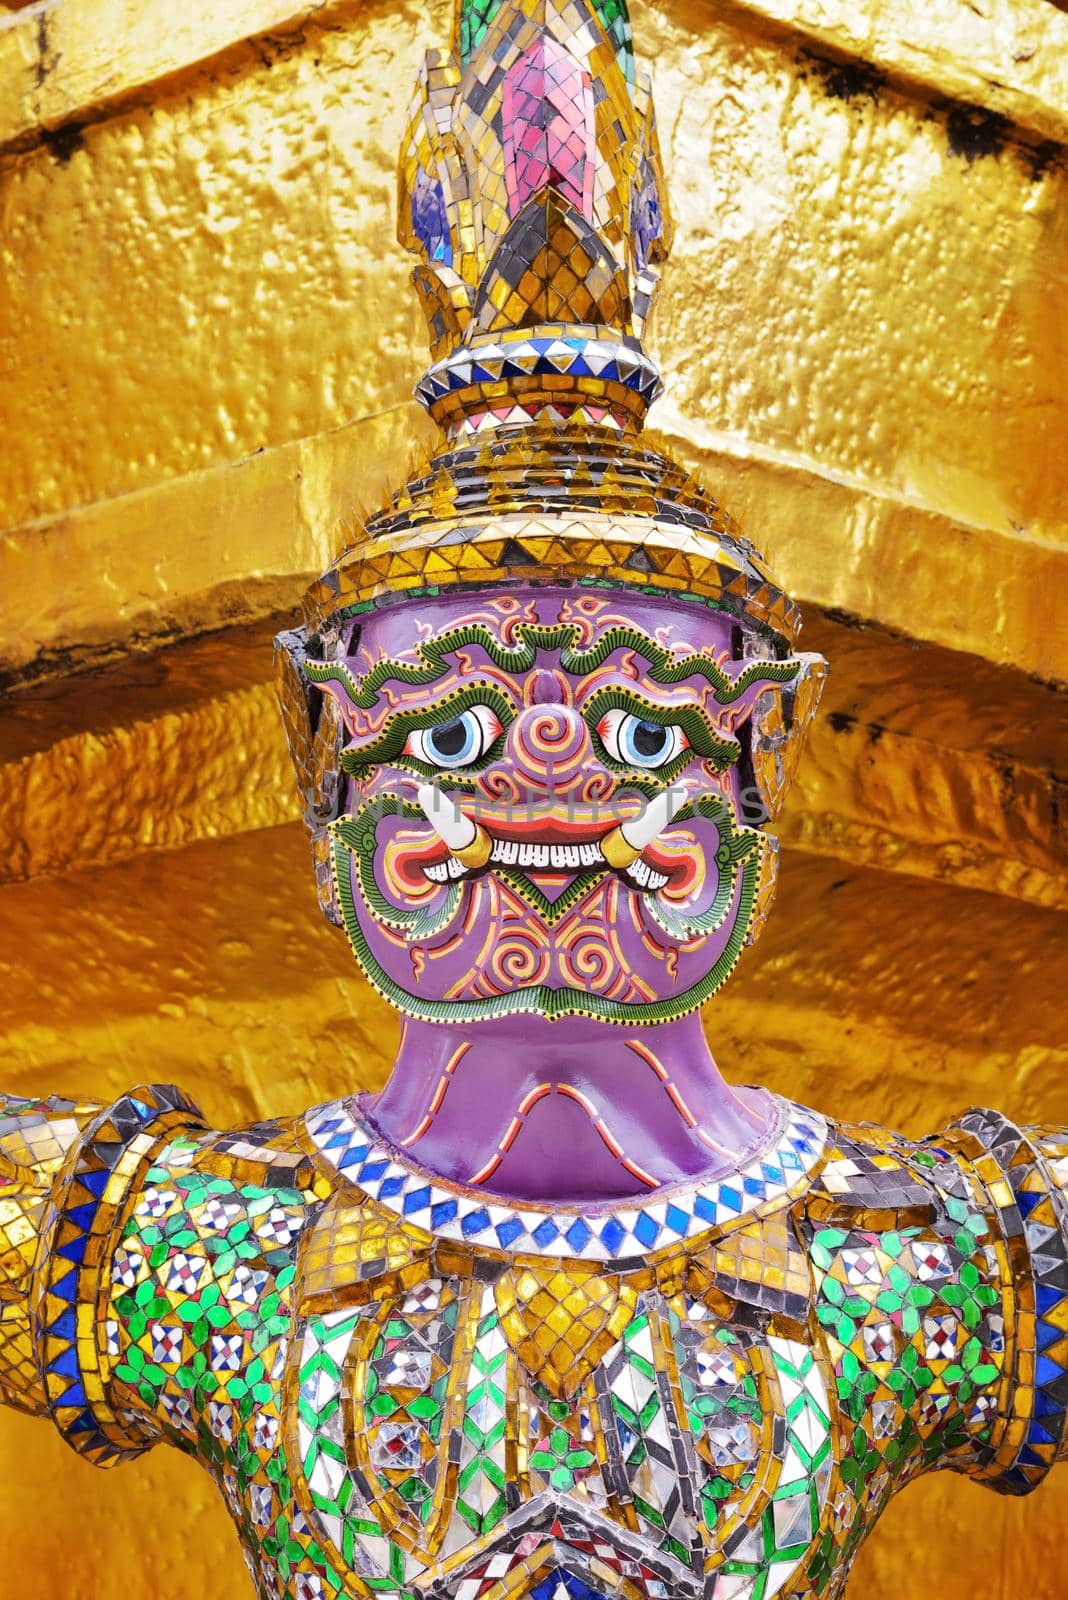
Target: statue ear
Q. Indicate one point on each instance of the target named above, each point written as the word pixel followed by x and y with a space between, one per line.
pixel 773 737
pixel 313 730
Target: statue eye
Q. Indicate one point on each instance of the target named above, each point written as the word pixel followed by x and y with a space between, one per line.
pixel 460 742
pixel 639 741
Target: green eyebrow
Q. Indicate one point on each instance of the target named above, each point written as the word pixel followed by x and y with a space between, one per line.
pixel 389 744
pixel 666 667
pixel 702 739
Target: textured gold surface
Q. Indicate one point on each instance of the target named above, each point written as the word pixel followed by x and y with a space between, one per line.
pixel 865 340
pixel 862 292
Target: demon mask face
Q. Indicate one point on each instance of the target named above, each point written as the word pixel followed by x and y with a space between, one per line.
pixel 544 800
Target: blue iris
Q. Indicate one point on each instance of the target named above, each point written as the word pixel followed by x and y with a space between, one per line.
pixel 643 743
pixel 455 743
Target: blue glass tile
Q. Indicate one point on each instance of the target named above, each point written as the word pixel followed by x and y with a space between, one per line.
pixel 677 1219
pixel 373 1170
pixel 66 1287
pixel 579 1234
pixel 730 1197
pixel 66 1363
pixel 65 1325
pixel 475 1222
pixel 352 1158
pixel 646 1229
pixel 612 1234
pixel 574 1588
pixel 418 1200
pixel 443 1212
pixel 545 1232
pixel 508 1230
pixel 704 1208
pixel 1047 1371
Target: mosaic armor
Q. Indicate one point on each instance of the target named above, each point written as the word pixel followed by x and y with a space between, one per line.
pixel 402 1388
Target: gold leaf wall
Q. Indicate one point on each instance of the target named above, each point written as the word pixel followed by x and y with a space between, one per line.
pixel 207 347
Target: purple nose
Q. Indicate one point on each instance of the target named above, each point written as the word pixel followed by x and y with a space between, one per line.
pixel 549 748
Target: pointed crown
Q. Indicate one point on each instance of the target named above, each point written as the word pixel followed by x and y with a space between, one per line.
pixel 531 189
pixel 532 193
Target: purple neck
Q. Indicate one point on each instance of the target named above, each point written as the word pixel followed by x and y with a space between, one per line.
pixel 575 1111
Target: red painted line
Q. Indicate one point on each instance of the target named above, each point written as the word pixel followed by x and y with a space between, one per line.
pixel 439 1094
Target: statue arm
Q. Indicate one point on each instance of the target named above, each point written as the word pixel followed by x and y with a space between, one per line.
pixel 66 1170
pixel 1052 1297
pixel 1024 1172
pixel 35 1139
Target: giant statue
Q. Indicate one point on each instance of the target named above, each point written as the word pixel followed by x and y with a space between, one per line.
pixel 559 1313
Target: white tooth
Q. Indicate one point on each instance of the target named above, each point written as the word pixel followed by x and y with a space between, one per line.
pixel 457 830
pixel 438 871
pixel 509 852
pixel 541 855
pixel 573 857
pixel 526 855
pixel 657 880
pixel 589 854
pixel 558 855
pixel 640 872
pixel 456 868
pixel 497 853
pixel 641 831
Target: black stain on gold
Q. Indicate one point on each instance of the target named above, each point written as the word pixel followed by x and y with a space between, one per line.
pixel 975 134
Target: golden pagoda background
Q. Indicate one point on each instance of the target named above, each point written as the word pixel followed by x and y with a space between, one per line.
pixel 207 350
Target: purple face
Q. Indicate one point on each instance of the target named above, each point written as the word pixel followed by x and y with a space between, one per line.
pixel 544 804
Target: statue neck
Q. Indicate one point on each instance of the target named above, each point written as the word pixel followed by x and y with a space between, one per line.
pixel 583 1111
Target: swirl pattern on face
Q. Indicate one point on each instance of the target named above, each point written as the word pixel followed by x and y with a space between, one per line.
pixel 544 804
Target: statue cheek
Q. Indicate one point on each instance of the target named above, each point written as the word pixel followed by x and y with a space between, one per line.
pixel 393 873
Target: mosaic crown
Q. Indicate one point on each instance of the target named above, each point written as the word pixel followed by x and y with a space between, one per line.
pixel 531 191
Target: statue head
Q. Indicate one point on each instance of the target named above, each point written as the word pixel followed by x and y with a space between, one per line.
pixel 544 703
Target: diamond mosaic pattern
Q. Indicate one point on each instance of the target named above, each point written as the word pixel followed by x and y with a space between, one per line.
pixel 403 1188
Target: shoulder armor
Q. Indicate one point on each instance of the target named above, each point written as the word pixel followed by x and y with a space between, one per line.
pixel 67 1171
pixel 1021 1170
pixel 879 1174
pixel 35 1137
